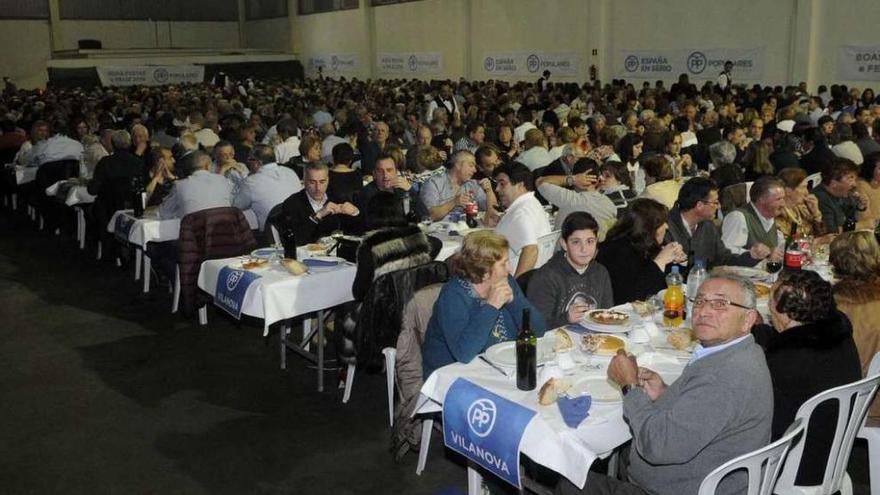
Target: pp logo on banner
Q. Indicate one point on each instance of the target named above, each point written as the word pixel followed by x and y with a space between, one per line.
pixel 485 427
pixel 696 63
pixel 489 64
pixel 631 64
pixel 412 63
pixel 232 286
pixel 160 75
pixel 122 227
pixel 533 63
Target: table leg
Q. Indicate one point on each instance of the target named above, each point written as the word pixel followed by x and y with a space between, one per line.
pixel 307 330
pixel 321 351
pixel 14 201
pixel 475 481
pixel 282 335
pixel 81 226
pixel 138 258
pixel 148 263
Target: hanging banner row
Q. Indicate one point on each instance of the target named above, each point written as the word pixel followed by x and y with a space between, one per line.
pixel 699 63
pixel 853 63
pixel 150 75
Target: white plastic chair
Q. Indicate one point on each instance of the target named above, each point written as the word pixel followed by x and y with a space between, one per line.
pixel 813 180
pixel 546 247
pixel 872 435
pixel 852 400
pixel 762 465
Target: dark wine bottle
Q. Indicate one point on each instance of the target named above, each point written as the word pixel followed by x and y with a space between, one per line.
pixel 526 355
pixel 138 196
pixel 794 255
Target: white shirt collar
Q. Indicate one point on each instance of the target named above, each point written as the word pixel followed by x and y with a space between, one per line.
pixel 687 226
pixel 767 223
pixel 700 352
pixel 316 205
pixel 520 201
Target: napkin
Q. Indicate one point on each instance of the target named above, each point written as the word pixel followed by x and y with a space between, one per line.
pixel 313 263
pixel 574 410
pixel 639 335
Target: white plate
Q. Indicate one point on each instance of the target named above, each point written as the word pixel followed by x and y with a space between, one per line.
pixel 504 353
pixel 600 388
pixel 745 272
pixel 266 253
pixel 668 367
pixel 319 269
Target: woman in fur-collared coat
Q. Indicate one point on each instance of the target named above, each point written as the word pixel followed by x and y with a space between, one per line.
pixel 855 257
pixel 390 244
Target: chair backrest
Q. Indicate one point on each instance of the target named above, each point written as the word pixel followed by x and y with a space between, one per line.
pixel 852 401
pixel 813 180
pixel 272 229
pixel 408 363
pixel 762 465
pixel 52 172
pixel 546 247
pixel 734 196
pixel 873 370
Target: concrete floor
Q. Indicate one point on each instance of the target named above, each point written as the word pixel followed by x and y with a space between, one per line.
pixel 104 391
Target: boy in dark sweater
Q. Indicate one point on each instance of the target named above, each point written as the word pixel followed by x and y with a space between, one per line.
pixel 566 287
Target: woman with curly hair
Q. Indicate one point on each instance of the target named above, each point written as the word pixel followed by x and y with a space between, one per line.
pixel 479 306
pixel 808 330
pixel 855 257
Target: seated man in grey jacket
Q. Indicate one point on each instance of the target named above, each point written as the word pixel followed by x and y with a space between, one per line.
pixel 578 192
pixel 691 224
pixel 720 407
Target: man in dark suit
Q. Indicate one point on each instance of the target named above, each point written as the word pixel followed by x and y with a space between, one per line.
pixel 310 214
pixel 112 181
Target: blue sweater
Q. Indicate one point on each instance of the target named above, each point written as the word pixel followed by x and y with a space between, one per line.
pixel 463 325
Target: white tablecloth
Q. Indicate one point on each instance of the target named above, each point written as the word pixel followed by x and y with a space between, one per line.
pixel 547 440
pixel 277 295
pixel 23 175
pixel 147 230
pixel 73 194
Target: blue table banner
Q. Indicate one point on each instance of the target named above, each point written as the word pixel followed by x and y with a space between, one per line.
pixel 232 285
pixel 123 225
pixel 485 427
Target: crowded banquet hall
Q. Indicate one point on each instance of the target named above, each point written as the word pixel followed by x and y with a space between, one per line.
pixel 435 247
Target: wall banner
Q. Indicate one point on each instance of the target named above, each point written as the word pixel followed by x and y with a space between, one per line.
pixel 150 75
pixel 531 63
pixel 698 63
pixel 410 63
pixel 332 63
pixel 858 63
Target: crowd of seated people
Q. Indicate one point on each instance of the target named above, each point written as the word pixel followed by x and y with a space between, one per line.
pixel 636 174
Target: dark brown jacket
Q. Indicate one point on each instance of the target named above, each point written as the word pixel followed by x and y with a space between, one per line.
pixel 209 234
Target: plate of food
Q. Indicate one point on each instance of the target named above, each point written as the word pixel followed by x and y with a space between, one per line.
pixel 679 341
pixel 253 263
pixel 504 353
pixel 599 387
pixel 750 273
pixel 603 344
pixel 762 291
pixel 607 320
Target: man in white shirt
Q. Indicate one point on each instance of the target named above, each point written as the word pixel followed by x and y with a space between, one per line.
pixel 444 99
pixel 268 184
pixel 203 130
pixel 289 145
pixel 200 191
pixel 446 195
pixel 524 221
pixel 56 148
pixel 329 139
pixel 752 228
pixel 535 155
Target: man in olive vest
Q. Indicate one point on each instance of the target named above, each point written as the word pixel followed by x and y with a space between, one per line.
pixel 753 227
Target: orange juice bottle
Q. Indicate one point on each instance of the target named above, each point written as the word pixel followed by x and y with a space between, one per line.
pixel 673 300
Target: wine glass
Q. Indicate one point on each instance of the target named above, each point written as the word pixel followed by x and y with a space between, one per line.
pixel 772 267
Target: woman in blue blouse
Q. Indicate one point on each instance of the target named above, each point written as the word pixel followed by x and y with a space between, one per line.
pixel 479 306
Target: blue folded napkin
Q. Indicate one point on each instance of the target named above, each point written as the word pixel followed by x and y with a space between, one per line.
pixel 574 410
pixel 313 263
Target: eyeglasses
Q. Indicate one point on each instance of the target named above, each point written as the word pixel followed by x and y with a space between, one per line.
pixel 713 203
pixel 717 304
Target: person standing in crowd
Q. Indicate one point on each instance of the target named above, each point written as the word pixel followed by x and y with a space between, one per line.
pixel 524 220
pixel 267 186
pixel 572 282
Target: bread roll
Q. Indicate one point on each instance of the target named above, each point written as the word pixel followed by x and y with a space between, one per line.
pixel 550 391
pixel 563 341
pixel 294 267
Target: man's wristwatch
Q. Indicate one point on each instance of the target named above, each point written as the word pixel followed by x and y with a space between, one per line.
pixel 626 388
pixel 569 181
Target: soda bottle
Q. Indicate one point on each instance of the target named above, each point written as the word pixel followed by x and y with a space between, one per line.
pixel 470 212
pixel 526 355
pixel 673 300
pixel 794 255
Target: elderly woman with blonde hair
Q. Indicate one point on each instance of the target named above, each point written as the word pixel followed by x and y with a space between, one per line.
pixel 855 257
pixel 479 306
